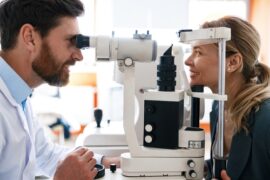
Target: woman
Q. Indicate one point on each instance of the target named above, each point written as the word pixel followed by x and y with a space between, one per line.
pixel 247 110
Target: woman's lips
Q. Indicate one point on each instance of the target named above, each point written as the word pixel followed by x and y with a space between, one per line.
pixel 192 73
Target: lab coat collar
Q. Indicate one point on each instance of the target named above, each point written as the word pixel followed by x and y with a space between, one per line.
pixel 15 84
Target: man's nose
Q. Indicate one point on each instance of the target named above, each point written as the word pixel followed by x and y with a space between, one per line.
pixel 77 55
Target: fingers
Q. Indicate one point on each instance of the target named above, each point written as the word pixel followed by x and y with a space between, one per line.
pixel 80 151
pixel 79 164
pixel 87 155
pixel 92 163
pixel 224 175
pixel 93 172
pixel 84 152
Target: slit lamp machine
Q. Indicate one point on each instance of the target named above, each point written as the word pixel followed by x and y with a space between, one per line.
pixel 169 147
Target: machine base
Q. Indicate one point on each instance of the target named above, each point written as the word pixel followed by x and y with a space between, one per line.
pixel 190 168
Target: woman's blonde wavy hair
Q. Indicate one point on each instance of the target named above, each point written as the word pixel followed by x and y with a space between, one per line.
pixel 245 40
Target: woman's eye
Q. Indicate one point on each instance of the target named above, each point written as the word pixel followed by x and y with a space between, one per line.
pixel 197 52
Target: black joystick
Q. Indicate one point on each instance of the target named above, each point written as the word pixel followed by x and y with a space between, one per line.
pixel 113 167
pixel 98 116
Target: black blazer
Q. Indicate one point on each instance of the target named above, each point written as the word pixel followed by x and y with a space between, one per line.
pixel 249 156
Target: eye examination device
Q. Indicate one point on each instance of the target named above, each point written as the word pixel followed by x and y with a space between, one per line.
pixel 169 147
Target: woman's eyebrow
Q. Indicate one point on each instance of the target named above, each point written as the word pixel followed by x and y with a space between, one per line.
pixel 196 48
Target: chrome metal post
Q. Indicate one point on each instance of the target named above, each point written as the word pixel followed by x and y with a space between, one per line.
pixel 218 147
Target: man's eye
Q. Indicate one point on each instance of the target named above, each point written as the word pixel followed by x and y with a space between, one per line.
pixel 73 40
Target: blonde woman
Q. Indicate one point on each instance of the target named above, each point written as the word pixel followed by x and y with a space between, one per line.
pixel 247 111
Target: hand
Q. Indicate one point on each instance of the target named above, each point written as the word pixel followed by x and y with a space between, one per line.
pixel 224 175
pixel 106 161
pixel 79 165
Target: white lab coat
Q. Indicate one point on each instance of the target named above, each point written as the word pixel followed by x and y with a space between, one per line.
pixel 24 148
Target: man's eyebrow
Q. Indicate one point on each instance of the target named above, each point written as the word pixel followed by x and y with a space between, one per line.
pixel 71 36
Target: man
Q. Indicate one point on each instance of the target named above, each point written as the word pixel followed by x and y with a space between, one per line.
pixel 37 41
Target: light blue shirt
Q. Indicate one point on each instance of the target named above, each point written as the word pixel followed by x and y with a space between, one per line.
pixel 24 147
pixel 17 87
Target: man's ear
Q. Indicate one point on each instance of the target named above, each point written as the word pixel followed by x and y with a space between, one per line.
pixel 29 36
pixel 234 63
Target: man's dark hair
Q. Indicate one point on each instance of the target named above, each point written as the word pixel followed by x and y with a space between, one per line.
pixel 43 15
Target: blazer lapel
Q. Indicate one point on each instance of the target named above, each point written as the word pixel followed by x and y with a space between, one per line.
pixel 239 154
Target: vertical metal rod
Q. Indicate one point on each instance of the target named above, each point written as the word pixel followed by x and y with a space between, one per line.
pixel 221 91
pixel 218 146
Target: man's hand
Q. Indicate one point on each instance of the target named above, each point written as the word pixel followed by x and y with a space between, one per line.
pixel 79 165
pixel 224 175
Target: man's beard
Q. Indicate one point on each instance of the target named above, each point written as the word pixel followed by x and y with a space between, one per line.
pixel 47 67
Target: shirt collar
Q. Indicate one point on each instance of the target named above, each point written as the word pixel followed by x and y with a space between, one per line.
pixel 15 84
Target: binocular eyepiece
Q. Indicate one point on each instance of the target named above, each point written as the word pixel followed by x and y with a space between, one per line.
pixel 82 41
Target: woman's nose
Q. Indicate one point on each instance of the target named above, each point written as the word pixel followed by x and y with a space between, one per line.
pixel 189 61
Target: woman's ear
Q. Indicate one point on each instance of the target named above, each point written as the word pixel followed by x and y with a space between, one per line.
pixel 234 63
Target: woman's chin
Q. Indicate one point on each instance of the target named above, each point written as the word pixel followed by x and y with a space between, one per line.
pixel 193 83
